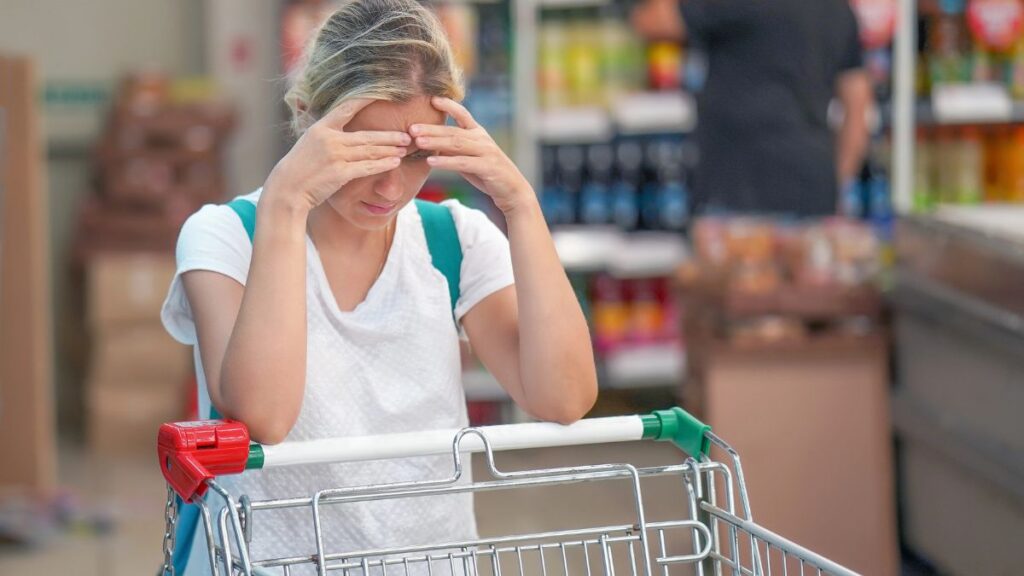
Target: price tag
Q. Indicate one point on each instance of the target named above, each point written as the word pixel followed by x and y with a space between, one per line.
pixel 877 20
pixel 996 24
pixel 971 103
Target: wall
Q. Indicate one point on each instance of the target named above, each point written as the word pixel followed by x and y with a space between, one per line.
pixel 81 48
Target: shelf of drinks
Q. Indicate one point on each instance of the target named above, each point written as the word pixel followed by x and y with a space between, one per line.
pixel 560 4
pixel 649 366
pixel 645 113
pixel 642 254
pixel 925 116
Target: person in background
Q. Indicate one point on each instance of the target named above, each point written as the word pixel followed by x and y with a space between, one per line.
pixel 774 67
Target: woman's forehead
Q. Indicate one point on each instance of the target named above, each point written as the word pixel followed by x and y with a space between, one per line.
pixel 396 116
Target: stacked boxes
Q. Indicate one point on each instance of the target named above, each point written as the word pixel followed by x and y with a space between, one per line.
pixel 138 374
pixel 159 160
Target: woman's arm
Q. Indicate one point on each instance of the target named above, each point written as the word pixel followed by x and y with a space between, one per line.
pixel 533 336
pixel 253 340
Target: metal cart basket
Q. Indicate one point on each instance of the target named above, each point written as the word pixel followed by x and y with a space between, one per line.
pixel 713 531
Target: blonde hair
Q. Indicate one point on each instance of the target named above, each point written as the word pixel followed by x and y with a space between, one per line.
pixel 390 50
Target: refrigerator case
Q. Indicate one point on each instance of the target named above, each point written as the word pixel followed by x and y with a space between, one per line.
pixel 959 315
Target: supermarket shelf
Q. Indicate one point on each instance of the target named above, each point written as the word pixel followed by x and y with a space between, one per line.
pixel 557 4
pixel 574 125
pixel 646 113
pixel 587 249
pixel 651 366
pixel 481 386
pixel 655 113
pixel 925 116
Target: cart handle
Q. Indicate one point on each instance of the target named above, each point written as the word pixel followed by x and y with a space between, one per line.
pixel 193 452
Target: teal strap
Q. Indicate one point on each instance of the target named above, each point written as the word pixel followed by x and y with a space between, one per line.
pixel 246 211
pixel 443 244
pixel 438 226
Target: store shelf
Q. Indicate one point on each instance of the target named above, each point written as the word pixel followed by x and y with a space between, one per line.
pixel 559 4
pixel 481 386
pixel 655 113
pixel 645 113
pixel 574 125
pixel 587 249
pixel 650 366
pixel 925 116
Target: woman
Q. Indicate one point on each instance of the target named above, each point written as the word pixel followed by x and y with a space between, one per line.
pixel 333 320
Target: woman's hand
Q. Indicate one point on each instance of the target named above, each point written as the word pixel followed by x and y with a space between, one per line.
pixel 469 150
pixel 327 157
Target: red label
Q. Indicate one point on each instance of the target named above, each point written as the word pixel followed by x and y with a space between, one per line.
pixel 877 20
pixel 996 24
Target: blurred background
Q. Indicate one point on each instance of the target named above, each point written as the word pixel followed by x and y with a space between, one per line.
pixel 869 366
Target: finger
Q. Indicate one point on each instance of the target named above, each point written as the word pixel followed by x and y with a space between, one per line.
pixel 365 168
pixel 436 130
pixel 376 138
pixel 455 110
pixel 342 114
pixel 458 145
pixel 357 153
pixel 463 164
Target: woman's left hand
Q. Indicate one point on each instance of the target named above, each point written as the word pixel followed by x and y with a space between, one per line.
pixel 469 150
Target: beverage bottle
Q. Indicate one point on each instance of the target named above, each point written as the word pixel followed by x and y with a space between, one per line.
pixel 595 200
pixel 553 82
pixel 970 170
pixel 1014 158
pixel 924 181
pixel 674 198
pixel 610 311
pixel 583 61
pixel 624 194
pixel 551 191
pixel 570 175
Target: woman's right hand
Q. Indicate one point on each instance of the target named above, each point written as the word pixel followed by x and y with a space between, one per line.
pixel 326 157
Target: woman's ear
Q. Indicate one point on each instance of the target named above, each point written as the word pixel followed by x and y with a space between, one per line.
pixel 301 106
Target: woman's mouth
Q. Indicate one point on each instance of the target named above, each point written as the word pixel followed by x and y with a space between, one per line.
pixel 378 209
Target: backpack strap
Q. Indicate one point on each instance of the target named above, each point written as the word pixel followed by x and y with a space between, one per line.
pixel 443 244
pixel 246 211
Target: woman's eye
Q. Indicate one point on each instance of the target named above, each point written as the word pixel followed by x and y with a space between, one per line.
pixel 419 156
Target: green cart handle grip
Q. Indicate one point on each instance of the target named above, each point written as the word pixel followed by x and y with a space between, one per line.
pixel 679 427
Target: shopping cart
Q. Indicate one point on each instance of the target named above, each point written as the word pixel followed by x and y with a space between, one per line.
pixel 713 533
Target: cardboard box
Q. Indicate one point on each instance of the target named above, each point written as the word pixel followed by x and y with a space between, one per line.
pixel 144 353
pixel 124 418
pixel 127 287
pixel 28 447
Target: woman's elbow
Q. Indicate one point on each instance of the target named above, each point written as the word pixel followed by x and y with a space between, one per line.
pixel 269 432
pixel 574 407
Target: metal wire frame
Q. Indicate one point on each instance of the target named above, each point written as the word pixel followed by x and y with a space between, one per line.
pixel 724 540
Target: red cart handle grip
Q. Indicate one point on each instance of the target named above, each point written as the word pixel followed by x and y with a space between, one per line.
pixel 193 452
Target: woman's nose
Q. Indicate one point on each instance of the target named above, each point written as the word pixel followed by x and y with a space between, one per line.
pixel 389 185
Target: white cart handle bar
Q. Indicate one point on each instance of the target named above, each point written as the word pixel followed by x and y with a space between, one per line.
pixel 193 452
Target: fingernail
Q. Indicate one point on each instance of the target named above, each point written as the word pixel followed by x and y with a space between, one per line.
pixel 406 139
pixel 414 129
pixel 431 159
pixel 422 140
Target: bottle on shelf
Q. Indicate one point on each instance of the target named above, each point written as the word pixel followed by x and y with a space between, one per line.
pixel 595 195
pixel 625 189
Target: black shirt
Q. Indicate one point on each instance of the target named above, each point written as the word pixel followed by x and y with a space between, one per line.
pixel 763 133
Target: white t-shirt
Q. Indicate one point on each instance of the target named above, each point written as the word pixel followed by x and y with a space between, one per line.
pixel 390 365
